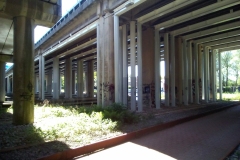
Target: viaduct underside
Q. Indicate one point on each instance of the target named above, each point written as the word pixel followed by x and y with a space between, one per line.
pixel 98 45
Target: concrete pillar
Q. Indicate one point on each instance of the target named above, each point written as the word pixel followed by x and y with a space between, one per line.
pixel 133 63
pixel 166 57
pixel 125 64
pixel 80 78
pixel 139 63
pixel 118 62
pixel 49 82
pixel 214 75
pixel 157 69
pixel 107 56
pixel 9 85
pixel 56 78
pixel 205 53
pixel 190 70
pixel 220 75
pixel 200 72
pixel 68 78
pixel 179 70
pixel 148 63
pixel 23 71
pixel 36 83
pixel 99 67
pixel 73 82
pixel 2 82
pixel 172 71
pixel 185 77
pixel 196 76
pixel 41 93
pixel 90 79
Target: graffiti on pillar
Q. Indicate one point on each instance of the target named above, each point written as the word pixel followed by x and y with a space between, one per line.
pixel 108 91
pixel 193 87
pixel 152 87
pixel 146 94
pixel 27 95
pixel 200 88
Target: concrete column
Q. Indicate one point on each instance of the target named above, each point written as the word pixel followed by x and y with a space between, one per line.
pixel 8 84
pixel 133 63
pixel 172 71
pixel 80 78
pixel 56 78
pixel 36 83
pixel 23 71
pixel 108 82
pixel 205 74
pixel 2 82
pixel 99 67
pixel 190 69
pixel 68 78
pixel 157 69
pixel 125 64
pixel 196 77
pixel 179 70
pixel 220 74
pixel 118 61
pixel 139 63
pixel 148 69
pixel 200 72
pixel 185 77
pixel 90 79
pixel 214 75
pixel 73 82
pixel 49 82
pixel 166 57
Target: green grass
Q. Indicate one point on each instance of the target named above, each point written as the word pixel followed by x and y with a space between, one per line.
pixel 230 96
pixel 80 125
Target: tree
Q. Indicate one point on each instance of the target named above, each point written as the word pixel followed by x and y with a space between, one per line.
pixel 226 58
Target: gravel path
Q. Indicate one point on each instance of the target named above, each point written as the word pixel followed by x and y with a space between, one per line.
pixel 163 115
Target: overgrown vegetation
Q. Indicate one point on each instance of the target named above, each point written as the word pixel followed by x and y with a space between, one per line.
pixel 79 125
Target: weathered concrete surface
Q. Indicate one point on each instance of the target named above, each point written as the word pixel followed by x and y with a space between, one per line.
pixel 23 80
pixel 2 82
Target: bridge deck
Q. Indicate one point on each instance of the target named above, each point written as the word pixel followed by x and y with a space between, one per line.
pixel 210 137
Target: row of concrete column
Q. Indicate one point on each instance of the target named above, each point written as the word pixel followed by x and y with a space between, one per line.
pixel 53 83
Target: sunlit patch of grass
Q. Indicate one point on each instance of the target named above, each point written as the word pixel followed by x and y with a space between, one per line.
pixel 231 96
pixel 80 125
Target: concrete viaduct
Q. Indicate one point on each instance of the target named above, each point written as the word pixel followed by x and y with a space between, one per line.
pixel 108 36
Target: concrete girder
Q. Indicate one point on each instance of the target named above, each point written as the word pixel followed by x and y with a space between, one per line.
pixel 80 33
pixel 78 48
pixel 45 14
pixel 234 44
pixel 218 36
pixel 222 41
pixel 214 30
pixel 84 54
pixel 6 58
pixel 198 13
pixel 229 49
pixel 207 23
pixel 164 10
pixel 127 6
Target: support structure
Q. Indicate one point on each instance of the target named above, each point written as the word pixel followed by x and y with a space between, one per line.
pixel 157 70
pixel 2 82
pixel 166 57
pixel 80 78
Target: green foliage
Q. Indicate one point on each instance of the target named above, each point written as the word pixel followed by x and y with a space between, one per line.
pixel 68 124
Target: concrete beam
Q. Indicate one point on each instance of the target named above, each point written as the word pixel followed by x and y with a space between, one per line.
pixel 229 49
pixel 234 44
pixel 223 41
pixel 220 5
pixel 164 10
pixel 218 36
pixel 207 23
pixel 214 30
pixel 6 58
